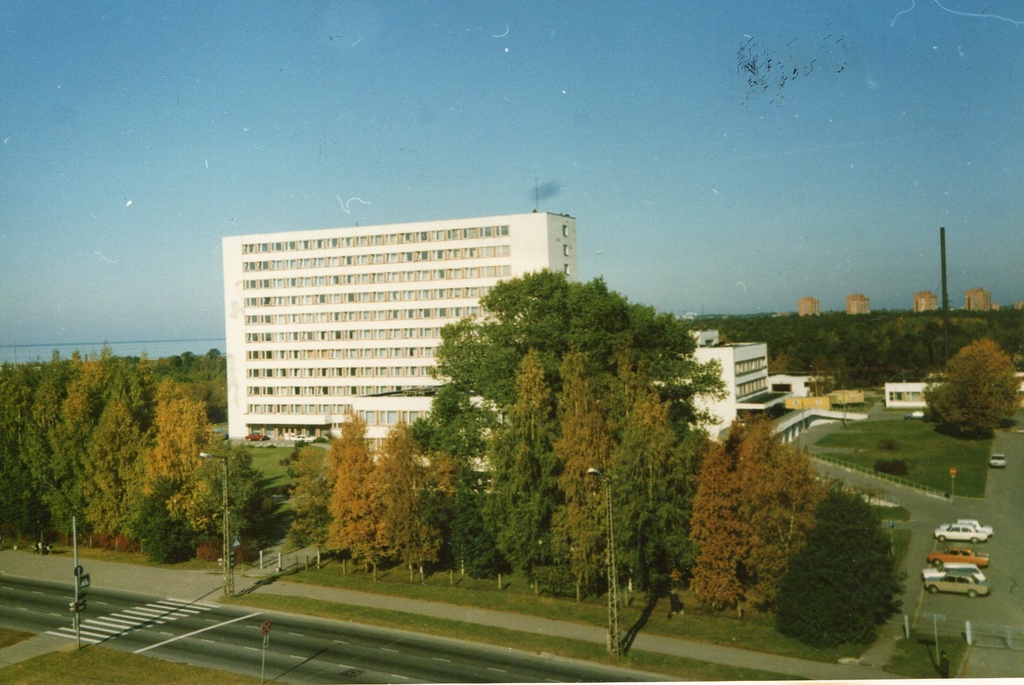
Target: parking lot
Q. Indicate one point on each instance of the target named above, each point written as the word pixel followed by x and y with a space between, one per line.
pixel 990 616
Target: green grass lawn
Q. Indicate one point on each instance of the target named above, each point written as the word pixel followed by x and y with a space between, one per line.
pixel 268 461
pixel 929 455
pixel 675 667
pixel 754 631
pixel 94 664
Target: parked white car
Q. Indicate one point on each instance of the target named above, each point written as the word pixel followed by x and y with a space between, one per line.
pixel 952 568
pixel 977 525
pixel 961 531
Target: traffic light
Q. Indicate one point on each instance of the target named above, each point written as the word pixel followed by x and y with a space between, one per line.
pixel 76 607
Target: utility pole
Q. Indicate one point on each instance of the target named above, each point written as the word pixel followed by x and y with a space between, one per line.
pixel 226 551
pixel 945 297
pixel 614 645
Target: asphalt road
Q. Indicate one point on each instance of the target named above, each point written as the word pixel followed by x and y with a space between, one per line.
pixel 299 650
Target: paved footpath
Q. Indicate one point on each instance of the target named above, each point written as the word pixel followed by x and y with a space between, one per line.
pixel 196 585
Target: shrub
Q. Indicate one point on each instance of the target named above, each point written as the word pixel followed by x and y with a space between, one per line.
pixel 894 467
pixel 208 550
pixel 888 444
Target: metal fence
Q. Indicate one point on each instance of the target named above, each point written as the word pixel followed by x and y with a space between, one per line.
pixel 896 480
pixel 936 629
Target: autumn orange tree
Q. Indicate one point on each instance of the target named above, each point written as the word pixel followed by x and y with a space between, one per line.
pixel 753 509
pixel 718 529
pixel 403 482
pixel 182 433
pixel 978 391
pixel 354 505
pixel 585 443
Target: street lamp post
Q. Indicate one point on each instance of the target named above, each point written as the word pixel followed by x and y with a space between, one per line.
pixel 614 646
pixel 229 574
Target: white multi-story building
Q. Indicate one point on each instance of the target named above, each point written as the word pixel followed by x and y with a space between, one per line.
pixel 745 374
pixel 326 323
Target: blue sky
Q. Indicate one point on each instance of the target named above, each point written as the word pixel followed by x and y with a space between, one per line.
pixel 719 157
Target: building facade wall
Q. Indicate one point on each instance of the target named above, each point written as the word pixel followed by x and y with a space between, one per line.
pixel 905 395
pixel 744 373
pixel 808 306
pixel 977 300
pixel 325 323
pixel 858 304
pixel 925 301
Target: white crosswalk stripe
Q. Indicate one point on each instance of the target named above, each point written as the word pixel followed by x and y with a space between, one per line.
pixel 99 628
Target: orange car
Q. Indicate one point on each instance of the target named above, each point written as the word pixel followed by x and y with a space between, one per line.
pixel 964 555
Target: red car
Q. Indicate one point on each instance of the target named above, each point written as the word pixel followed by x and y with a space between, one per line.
pixel 960 555
pixel 256 437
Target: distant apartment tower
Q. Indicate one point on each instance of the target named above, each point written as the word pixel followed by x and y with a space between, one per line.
pixel 808 306
pixel 858 304
pixel 323 324
pixel 977 300
pixel 925 301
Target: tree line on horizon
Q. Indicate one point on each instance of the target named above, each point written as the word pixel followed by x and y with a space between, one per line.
pixel 870 349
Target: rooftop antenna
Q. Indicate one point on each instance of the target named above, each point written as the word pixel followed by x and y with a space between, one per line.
pixel 536 195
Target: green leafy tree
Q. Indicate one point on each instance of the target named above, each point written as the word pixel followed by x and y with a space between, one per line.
pixel 525 491
pixel 112 477
pixel 843 584
pixel 546 315
pixel 164 537
pixel 19 491
pixel 310 498
pixel 978 391
pixel 455 432
pixel 651 473
pixel 585 443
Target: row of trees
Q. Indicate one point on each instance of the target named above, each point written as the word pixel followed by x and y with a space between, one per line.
pixel 561 379
pixel 871 349
pixel 115 443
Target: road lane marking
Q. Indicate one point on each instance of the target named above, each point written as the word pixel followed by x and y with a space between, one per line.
pixel 194 632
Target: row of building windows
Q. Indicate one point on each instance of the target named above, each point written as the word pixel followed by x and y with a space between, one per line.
pixel 331 353
pixel 364 334
pixel 751 387
pixel 485 252
pixel 496 271
pixel 430 294
pixel 347 371
pixel 314 410
pixel 352 353
pixel 379 239
pixel 371 315
pixel 751 365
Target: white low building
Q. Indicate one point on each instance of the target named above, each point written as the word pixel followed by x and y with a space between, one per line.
pixel 905 395
pixel 325 323
pixel 745 374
